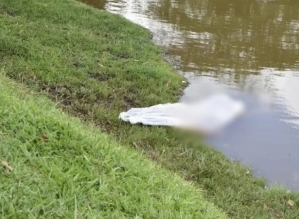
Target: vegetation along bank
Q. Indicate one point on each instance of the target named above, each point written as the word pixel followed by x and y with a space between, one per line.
pixel 94 65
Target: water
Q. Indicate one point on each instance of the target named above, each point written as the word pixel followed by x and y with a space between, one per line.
pixel 248 48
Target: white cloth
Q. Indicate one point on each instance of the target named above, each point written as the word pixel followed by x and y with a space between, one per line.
pixel 208 115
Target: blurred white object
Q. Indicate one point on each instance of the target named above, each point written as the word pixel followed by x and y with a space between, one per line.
pixel 208 115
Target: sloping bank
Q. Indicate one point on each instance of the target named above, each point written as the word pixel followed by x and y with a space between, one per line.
pixel 96 65
pixel 63 169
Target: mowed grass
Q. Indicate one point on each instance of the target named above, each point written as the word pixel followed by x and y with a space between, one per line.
pixel 95 65
pixel 63 169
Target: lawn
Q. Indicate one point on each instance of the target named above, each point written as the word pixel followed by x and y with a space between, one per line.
pixel 94 65
pixel 56 167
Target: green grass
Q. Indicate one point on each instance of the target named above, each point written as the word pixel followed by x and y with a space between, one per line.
pixel 95 65
pixel 74 171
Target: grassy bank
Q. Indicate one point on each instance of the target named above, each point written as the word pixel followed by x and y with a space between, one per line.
pixel 96 65
pixel 63 169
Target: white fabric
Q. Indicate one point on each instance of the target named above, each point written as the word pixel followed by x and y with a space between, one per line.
pixel 208 115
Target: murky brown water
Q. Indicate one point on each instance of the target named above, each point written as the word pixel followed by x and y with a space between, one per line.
pixel 247 48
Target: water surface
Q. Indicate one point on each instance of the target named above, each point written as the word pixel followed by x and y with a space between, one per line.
pixel 247 48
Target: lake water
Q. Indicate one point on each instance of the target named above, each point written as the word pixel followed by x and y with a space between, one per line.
pixel 247 48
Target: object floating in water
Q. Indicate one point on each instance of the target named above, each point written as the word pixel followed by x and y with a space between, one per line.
pixel 207 116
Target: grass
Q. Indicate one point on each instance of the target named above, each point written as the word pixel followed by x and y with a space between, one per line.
pixel 95 65
pixel 64 169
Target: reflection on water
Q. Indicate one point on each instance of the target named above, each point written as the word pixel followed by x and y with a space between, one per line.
pixel 96 3
pixel 248 48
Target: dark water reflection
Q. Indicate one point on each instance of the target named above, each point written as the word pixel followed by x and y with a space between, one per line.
pixel 248 48
pixel 236 34
pixel 96 3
